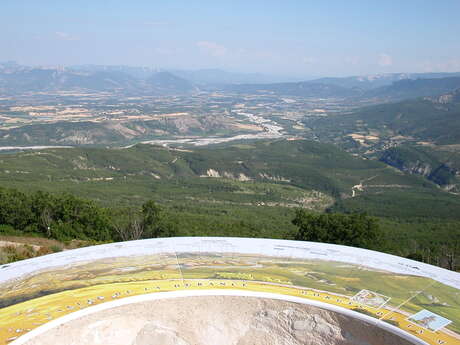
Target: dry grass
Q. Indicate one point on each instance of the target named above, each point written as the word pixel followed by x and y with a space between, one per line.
pixel 15 248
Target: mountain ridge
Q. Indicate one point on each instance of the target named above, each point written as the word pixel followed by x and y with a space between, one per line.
pixel 384 87
pixel 45 79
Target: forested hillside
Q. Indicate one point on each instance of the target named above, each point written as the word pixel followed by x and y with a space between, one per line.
pixel 301 173
pixel 433 119
pixel 250 189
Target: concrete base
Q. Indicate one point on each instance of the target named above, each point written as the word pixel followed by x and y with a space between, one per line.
pixel 220 318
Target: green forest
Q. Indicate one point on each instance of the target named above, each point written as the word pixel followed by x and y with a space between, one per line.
pixel 66 218
pixel 267 189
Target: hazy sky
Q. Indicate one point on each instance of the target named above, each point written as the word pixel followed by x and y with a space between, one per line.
pixel 285 37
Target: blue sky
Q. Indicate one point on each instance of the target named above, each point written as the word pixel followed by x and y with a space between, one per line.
pixel 303 38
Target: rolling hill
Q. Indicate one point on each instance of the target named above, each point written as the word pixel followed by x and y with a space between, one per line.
pixel 263 173
pixel 419 136
pixel 168 83
pixel 413 88
pixel 433 119
pixel 381 89
pixel 437 164
pixel 373 81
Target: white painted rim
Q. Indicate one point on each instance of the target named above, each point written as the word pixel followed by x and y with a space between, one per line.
pixel 196 293
pixel 260 247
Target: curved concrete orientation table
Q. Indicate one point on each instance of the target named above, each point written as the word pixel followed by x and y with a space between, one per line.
pixel 417 302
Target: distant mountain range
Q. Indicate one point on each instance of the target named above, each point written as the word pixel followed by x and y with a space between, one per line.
pixel 134 71
pixel 374 81
pixel 202 77
pixel 166 82
pixel 216 77
pixel 299 89
pixel 322 88
pixel 409 88
pixel 16 78
pixel 20 79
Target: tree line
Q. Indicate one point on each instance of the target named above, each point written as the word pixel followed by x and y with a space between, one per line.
pixel 66 217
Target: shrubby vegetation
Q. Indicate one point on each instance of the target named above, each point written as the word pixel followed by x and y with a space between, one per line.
pixel 432 241
pixel 16 253
pixel 99 195
pixel 66 218
pixel 61 217
pixel 150 221
pixel 356 230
